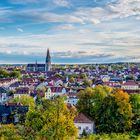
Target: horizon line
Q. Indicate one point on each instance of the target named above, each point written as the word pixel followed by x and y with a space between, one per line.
pixel 69 63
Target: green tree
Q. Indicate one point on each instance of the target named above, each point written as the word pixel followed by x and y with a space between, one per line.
pixel 135 102
pixel 12 74
pixel 9 132
pixel 11 92
pixel 130 78
pixel 115 113
pixel 15 74
pixel 83 76
pixel 58 75
pixel 90 99
pixel 53 121
pixel 86 101
pixel 25 100
pixel 84 133
pixel 112 136
pixel 111 109
pixel 87 83
pixel 72 75
pixel 4 74
pixel 41 79
pixel 72 80
pixel 41 91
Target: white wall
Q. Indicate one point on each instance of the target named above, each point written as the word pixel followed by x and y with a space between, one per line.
pixel 20 95
pixel 72 101
pixel 89 127
pixel 130 87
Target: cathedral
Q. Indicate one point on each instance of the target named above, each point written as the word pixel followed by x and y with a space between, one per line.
pixel 41 67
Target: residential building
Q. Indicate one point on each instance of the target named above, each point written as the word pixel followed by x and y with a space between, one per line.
pixel 130 85
pixel 22 91
pixel 84 123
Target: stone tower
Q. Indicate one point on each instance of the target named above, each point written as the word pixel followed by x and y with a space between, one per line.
pixel 48 61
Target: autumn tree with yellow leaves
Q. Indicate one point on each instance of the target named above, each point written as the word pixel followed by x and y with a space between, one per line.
pixel 52 121
pixel 111 109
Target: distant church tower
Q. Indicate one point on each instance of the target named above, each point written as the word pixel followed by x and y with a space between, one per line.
pixel 48 61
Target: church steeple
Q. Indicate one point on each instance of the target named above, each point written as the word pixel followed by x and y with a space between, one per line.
pixel 36 69
pixel 48 57
pixel 48 60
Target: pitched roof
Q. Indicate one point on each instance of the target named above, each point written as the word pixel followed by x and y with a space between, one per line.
pixel 16 84
pixel 34 65
pixel 3 90
pixel 31 65
pixel 81 118
pixel 130 83
pixel 22 90
pixel 56 89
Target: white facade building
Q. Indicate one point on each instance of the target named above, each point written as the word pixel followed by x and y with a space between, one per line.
pixel 82 122
pixel 54 91
pixel 130 85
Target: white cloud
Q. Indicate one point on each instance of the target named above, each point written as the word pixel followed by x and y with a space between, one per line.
pixel 94 21
pixel 137 18
pixel 65 27
pixel 83 54
pixel 100 35
pixel 93 15
pixel 63 3
pixel 8 52
pixel 51 17
pixel 120 9
pixel 116 42
pixel 41 15
pixel 83 15
pixel 20 30
pixel 4 14
pixel 125 8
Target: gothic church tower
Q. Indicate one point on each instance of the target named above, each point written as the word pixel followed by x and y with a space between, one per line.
pixel 48 61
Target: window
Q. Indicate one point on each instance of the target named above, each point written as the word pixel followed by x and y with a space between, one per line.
pixel 87 128
pixel 79 128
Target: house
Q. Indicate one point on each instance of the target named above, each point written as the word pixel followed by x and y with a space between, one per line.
pixel 105 78
pixel 84 123
pixel 5 82
pixel 10 113
pixel 13 86
pixel 71 98
pixel 112 84
pixel 54 91
pixel 22 91
pixel 130 85
pixel 3 95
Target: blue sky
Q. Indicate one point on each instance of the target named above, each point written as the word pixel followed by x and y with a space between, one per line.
pixel 76 31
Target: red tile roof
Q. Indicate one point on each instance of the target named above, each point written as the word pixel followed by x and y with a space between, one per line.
pixel 130 83
pixel 81 118
pixel 22 90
